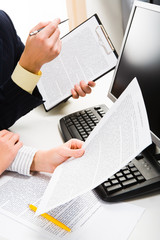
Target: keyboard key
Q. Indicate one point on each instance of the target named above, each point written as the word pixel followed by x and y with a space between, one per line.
pixel 69 124
pixel 122 179
pixel 112 178
pixel 119 174
pixel 126 171
pixel 129 176
pixel 107 184
pixel 134 169
pixel 137 173
pixel 131 165
pixel 115 181
pixel 114 188
pixel 124 168
pixel 129 182
pixel 140 178
pixel 84 136
pixel 74 133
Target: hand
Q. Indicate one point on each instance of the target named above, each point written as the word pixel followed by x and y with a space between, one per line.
pixel 82 89
pixel 47 161
pixel 9 146
pixel 42 47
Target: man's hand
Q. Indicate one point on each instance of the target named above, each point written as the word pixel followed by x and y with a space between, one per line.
pixel 47 161
pixel 42 47
pixel 9 147
pixel 82 89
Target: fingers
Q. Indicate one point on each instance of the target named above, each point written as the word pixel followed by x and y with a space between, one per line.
pixel 75 143
pixel 49 31
pixel 14 138
pixel 7 136
pixel 55 42
pixel 3 132
pixel 85 87
pixel 74 94
pixel 74 152
pixel 17 146
pixel 39 26
pixel 82 89
pixel 41 47
pixel 51 27
pixel 79 91
pixel 10 137
pixel 91 84
pixel 74 148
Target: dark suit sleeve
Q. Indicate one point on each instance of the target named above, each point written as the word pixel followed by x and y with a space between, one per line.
pixel 14 101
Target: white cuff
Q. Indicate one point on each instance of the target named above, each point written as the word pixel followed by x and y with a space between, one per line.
pixel 23 161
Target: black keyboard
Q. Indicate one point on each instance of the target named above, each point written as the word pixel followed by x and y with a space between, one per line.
pixel 140 176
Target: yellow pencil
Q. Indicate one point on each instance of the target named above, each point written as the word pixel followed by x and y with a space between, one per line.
pixel 50 218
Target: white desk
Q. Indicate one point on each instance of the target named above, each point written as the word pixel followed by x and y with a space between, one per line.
pixel 40 129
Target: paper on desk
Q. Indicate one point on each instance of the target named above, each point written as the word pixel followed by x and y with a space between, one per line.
pixel 17 191
pixel 85 215
pixel 121 135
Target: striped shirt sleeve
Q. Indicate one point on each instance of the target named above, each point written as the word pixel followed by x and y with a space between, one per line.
pixel 23 161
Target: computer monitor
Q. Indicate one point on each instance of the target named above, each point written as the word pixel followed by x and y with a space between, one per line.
pixel 140 58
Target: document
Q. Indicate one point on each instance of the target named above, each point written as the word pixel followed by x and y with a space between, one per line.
pixel 17 192
pixel 86 215
pixel 87 54
pixel 120 136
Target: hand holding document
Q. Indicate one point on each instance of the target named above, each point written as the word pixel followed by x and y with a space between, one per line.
pixel 87 54
pixel 121 135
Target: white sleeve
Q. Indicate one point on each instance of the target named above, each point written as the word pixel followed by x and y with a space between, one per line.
pixel 23 161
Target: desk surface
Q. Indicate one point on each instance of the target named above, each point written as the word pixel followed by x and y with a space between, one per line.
pixel 44 127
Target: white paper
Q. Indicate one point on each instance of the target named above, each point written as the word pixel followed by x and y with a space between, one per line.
pixel 17 192
pixel 112 222
pixel 87 216
pixel 121 135
pixel 85 55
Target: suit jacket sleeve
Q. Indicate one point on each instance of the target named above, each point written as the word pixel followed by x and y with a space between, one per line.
pixel 14 101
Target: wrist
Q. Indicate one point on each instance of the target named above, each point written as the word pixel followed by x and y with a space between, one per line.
pixel 29 65
pixel 42 162
pixel 36 163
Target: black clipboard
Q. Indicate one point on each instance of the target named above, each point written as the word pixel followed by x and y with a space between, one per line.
pixel 53 69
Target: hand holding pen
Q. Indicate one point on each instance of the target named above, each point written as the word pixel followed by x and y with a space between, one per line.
pixel 38 30
pixel 43 47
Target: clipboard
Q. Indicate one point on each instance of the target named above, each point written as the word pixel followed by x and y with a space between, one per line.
pixel 87 54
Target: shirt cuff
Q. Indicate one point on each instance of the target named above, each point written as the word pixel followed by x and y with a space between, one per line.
pixel 23 160
pixel 25 79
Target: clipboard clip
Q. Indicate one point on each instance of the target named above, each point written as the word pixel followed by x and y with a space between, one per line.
pixel 107 49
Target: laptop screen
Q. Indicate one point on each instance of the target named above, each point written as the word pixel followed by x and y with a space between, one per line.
pixel 140 58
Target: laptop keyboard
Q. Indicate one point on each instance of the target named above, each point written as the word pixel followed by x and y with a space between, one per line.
pixel 127 182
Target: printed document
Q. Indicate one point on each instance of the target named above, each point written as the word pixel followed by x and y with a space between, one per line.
pixel 86 55
pixel 85 215
pixel 17 192
pixel 120 136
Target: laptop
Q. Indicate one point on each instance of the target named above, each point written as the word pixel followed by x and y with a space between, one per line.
pixel 139 57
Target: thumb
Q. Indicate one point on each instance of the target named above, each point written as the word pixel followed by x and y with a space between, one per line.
pixel 74 152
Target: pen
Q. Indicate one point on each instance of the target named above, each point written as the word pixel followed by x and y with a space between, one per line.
pixel 37 31
pixel 51 219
